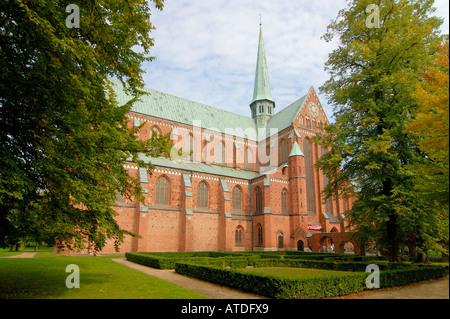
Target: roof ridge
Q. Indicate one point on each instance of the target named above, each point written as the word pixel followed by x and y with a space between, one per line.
pixel 196 102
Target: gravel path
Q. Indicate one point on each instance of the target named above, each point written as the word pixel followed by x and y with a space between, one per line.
pixel 431 289
pixel 22 255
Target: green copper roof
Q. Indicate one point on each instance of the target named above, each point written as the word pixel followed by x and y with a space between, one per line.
pixel 262 84
pixel 201 168
pixel 296 151
pixel 169 107
pixel 286 116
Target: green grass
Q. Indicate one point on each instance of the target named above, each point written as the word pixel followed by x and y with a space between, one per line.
pixel 4 252
pixel 292 273
pixel 44 277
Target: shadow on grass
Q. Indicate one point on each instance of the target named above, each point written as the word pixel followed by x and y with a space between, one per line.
pixel 40 278
pixel 44 277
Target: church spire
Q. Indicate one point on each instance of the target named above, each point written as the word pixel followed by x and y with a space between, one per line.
pixel 262 84
pixel 262 104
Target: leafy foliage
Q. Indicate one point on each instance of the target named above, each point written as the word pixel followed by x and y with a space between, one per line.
pixel 63 136
pixel 373 76
pixel 431 125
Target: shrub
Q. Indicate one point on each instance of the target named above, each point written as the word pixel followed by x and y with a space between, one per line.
pixel 277 287
pixel 400 277
pixel 169 260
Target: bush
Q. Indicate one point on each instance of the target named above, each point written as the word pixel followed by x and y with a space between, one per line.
pixel 213 267
pixel 305 288
pixel 322 264
pixel 277 287
pixel 169 260
pixel 400 277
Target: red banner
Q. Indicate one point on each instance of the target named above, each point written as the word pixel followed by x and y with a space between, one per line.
pixel 314 227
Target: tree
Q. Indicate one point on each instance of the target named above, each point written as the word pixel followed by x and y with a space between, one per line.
pixel 432 94
pixel 431 126
pixel 63 136
pixel 373 74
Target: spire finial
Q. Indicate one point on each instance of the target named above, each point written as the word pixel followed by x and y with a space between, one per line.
pixel 260 19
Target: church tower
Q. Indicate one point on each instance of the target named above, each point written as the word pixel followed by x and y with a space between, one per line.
pixel 262 105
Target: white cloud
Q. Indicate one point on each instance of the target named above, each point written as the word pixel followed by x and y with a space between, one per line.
pixel 206 50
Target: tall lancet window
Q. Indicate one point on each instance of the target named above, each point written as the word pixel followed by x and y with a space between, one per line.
pixel 309 176
pixel 328 205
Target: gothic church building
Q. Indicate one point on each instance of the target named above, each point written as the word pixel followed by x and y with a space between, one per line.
pixel 240 184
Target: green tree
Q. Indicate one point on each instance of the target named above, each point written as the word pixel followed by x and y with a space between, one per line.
pixel 431 126
pixel 373 74
pixel 63 136
pixel 432 93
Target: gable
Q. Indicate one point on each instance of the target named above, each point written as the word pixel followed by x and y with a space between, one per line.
pixel 311 110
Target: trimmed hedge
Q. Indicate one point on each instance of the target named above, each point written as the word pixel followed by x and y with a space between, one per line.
pixel 213 267
pixel 400 277
pixel 276 287
pixel 162 261
pixel 305 288
pixel 322 264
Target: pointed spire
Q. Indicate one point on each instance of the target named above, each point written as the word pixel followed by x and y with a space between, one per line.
pixel 296 151
pixel 262 84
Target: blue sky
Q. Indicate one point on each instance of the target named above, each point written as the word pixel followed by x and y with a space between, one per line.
pixel 206 49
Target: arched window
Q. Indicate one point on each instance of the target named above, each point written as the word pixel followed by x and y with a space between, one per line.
pixel 248 158
pixel 237 198
pixel 283 151
pixel 220 153
pixel 258 200
pixel 309 176
pixel 202 195
pixel 162 191
pixel 260 236
pixel 239 235
pixel 280 240
pixel 328 203
pixel 188 149
pixel 155 130
pixel 344 206
pixel 284 201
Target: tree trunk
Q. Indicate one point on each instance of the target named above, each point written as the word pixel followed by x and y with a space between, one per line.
pixel 393 243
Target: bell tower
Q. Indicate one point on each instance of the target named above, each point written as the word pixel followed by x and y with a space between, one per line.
pixel 262 105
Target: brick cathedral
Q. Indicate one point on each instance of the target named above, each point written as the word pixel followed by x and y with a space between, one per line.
pixel 239 184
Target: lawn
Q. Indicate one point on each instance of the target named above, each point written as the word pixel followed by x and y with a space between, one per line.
pixel 44 277
pixel 292 273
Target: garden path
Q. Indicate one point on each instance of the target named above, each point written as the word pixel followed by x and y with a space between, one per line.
pixel 22 255
pixel 205 288
pixel 431 289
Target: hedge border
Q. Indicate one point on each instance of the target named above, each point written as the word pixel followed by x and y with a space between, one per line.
pixel 162 262
pixel 220 268
pixel 305 288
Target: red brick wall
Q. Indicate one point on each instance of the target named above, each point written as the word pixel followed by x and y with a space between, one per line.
pixel 169 228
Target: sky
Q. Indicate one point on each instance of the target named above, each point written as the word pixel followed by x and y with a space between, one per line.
pixel 206 50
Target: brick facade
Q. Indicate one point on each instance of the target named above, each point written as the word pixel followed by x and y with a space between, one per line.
pixel 181 225
pixel 223 193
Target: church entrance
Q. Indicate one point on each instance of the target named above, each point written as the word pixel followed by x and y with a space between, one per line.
pixel 300 245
